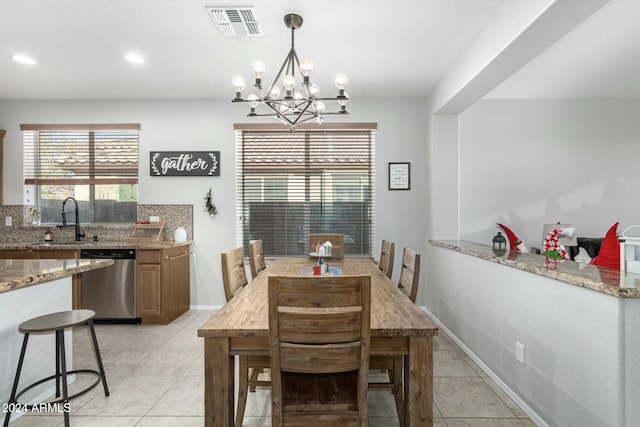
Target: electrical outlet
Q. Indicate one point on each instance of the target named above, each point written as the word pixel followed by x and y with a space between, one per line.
pixel 154 219
pixel 520 352
pixel 7 221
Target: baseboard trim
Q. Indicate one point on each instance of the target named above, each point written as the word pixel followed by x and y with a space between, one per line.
pixel 526 408
pixel 205 307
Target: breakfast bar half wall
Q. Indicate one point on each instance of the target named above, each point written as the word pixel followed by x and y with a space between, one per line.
pixel 578 325
pixel 31 288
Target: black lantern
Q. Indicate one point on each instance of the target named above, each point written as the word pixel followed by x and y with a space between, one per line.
pixel 499 244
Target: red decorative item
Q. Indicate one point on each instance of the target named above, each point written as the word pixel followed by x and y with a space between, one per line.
pixel 609 255
pixel 552 248
pixel 515 244
pixel 551 263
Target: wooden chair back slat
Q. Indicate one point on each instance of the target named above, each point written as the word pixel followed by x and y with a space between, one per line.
pixel 319 291
pixel 337 243
pixel 234 277
pixel 320 326
pixel 385 264
pixel 335 358
pixel 410 273
pixel 256 257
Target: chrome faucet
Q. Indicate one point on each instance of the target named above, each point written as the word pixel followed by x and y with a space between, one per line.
pixel 79 234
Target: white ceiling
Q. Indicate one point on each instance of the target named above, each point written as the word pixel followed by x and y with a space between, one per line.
pixel 386 48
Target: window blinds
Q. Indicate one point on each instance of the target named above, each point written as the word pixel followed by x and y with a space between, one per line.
pixel 81 154
pixel 319 179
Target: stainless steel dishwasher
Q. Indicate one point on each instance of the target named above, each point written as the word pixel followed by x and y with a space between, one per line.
pixel 111 291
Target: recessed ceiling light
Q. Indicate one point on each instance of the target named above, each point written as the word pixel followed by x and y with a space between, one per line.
pixel 24 59
pixel 135 58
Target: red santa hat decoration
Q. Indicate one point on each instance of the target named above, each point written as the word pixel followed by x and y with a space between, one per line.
pixel 609 255
pixel 515 244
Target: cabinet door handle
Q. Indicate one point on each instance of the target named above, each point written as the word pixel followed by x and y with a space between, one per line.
pixel 177 256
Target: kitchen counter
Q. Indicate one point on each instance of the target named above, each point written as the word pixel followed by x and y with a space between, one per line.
pixel 162 271
pixel 604 280
pixel 164 244
pixel 21 273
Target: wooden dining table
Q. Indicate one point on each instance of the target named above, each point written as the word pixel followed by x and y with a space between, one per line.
pixel 398 327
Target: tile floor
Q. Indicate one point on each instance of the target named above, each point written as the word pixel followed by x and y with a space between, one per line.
pixel 155 376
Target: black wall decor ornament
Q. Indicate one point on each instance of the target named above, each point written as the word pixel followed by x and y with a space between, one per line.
pixel 184 163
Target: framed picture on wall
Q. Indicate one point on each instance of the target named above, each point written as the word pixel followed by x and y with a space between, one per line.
pixel 400 176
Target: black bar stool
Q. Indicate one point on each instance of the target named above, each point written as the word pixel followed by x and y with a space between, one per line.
pixel 57 322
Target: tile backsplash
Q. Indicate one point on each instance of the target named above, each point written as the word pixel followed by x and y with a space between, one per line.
pixel 22 230
pixel 175 216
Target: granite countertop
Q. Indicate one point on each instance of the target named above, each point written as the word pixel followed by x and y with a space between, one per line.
pixel 20 273
pixel 605 280
pixel 164 244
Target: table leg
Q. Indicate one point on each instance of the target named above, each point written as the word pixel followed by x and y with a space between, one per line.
pixel 219 371
pixel 418 383
pixel 398 389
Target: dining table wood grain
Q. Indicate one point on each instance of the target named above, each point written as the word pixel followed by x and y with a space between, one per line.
pixel 398 327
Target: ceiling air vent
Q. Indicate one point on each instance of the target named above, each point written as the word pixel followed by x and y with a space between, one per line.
pixel 235 21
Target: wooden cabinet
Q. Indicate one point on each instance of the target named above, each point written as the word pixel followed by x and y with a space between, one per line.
pixel 148 283
pixel 162 284
pixel 17 254
pixel 57 254
pixel 39 254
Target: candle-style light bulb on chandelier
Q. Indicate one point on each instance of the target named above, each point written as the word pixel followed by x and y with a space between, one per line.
pixel 287 104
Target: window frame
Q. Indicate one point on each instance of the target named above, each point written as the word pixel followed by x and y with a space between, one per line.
pixel 90 175
pixel 361 192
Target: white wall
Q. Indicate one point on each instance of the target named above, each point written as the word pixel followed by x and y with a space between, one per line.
pixel 208 125
pixel 527 163
pixel 443 190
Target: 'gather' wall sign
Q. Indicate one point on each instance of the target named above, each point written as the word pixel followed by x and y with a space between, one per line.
pixel 184 163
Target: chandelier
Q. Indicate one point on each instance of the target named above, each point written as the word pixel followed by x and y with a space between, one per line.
pixel 287 99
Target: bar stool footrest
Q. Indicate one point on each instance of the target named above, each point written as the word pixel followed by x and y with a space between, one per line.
pixel 44 380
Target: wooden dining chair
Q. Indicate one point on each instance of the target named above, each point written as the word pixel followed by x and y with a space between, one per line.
pixel 385 264
pixel 392 365
pixel 319 339
pixel 256 257
pixel 337 243
pixel 234 279
pixel 410 273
